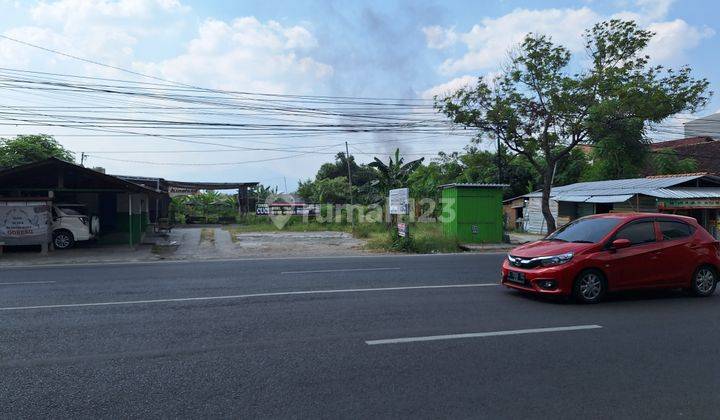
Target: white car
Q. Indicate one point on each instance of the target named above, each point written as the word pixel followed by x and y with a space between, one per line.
pixel 71 223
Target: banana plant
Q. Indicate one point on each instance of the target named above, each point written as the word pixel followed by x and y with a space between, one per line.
pixel 394 174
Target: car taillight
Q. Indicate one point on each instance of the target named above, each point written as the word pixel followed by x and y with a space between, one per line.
pixel 84 220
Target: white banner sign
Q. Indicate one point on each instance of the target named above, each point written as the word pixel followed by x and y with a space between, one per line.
pixel 399 200
pixel 24 223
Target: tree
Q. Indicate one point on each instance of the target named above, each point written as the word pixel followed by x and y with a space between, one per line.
pixel 425 179
pixel 362 176
pixel 540 108
pixel 571 169
pixel 31 148
pixel 326 190
pixel 394 174
pixel 263 192
pixel 667 162
pixel 620 151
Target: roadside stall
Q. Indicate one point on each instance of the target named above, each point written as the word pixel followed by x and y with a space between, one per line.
pixel 704 210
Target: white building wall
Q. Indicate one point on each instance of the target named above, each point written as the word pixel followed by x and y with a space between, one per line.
pixel 707 126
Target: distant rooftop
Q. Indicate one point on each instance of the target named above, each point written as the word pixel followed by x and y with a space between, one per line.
pixel 468 185
pixel 687 141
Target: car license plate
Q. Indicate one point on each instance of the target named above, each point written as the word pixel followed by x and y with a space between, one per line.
pixel 516 277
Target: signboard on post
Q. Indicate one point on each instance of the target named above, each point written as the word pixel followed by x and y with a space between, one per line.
pixel 691 203
pixel 403 230
pixel 399 201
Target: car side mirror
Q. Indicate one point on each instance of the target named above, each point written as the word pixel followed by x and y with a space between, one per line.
pixel 620 243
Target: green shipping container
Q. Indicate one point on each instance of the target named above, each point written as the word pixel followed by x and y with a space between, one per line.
pixel 473 212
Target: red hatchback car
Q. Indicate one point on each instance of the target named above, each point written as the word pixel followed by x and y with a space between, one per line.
pixel 607 252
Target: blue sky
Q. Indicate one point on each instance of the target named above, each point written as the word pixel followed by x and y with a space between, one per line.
pixel 398 49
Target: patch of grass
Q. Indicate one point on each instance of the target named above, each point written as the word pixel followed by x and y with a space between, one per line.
pixel 207 235
pixel 429 239
pixel 425 238
pixel 366 230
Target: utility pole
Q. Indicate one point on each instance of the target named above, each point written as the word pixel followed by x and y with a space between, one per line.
pixel 347 160
pixel 285 179
pixel 82 159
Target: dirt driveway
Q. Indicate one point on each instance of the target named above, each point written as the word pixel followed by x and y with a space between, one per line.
pixel 216 242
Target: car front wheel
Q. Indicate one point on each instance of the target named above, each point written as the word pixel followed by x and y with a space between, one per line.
pixel 63 239
pixel 704 281
pixel 590 286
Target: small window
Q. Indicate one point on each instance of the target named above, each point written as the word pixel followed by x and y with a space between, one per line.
pixel 674 230
pixel 638 233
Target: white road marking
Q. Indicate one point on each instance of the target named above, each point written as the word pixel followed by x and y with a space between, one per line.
pixel 204 298
pixel 26 282
pixel 341 270
pixel 248 259
pixel 482 334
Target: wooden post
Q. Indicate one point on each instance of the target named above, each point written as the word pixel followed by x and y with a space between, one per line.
pixel 239 200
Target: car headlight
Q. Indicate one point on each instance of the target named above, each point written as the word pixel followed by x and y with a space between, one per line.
pixel 555 259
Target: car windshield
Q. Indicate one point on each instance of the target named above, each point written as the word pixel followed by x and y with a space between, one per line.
pixel 584 230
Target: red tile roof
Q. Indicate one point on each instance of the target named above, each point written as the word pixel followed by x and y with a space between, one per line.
pixel 688 141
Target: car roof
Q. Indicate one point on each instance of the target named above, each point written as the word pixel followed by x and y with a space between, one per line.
pixel 641 215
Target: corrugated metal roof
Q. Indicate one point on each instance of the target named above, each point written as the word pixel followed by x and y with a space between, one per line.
pixel 609 198
pixel 654 187
pixel 688 193
pixel 464 185
pixel 571 198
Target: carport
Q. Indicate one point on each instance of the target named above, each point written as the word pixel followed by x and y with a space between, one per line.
pixel 122 206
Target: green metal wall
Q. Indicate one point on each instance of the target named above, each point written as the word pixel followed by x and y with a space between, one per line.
pixel 123 221
pixel 449 203
pixel 478 214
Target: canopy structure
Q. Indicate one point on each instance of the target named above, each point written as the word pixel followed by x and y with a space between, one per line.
pixel 176 188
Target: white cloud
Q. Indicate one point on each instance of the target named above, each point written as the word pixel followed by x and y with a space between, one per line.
pixel 246 54
pixel 100 30
pixel 646 11
pixel 439 38
pixel 164 38
pixel 243 53
pixel 69 12
pixel 488 42
pixel 673 38
pixel 450 87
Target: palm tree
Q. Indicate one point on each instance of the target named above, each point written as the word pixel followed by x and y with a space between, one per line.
pixel 394 174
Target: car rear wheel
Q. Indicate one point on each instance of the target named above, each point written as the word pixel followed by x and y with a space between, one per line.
pixel 704 281
pixel 63 239
pixel 590 286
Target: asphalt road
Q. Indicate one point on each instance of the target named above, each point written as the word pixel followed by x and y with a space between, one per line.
pixel 357 337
